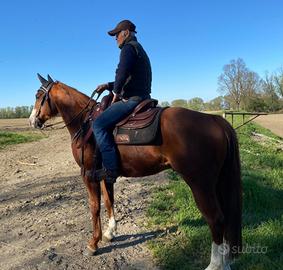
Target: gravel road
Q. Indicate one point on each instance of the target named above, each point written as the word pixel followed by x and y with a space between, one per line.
pixel 274 122
pixel 44 214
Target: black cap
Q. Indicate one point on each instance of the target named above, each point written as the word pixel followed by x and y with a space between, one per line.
pixel 123 25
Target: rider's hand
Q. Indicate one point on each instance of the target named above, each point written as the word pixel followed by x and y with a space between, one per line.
pixel 100 88
pixel 115 98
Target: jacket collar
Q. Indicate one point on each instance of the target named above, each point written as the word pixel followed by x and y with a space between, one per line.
pixel 127 40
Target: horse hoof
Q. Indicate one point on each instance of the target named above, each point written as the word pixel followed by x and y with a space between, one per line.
pixel 106 239
pixel 90 251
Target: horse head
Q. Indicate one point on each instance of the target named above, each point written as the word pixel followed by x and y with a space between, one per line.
pixel 44 108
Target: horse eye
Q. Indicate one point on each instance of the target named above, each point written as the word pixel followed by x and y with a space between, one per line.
pixel 37 95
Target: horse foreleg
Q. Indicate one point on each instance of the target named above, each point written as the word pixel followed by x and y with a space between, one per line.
pixel 108 195
pixel 94 195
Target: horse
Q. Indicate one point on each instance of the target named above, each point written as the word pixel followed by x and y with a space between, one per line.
pixel 200 147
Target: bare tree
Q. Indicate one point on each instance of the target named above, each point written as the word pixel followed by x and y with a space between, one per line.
pixel 278 78
pixel 238 82
pixel 252 85
pixel 268 83
pixel 269 92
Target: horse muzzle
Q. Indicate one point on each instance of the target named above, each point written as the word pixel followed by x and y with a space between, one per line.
pixel 35 122
pixel 38 123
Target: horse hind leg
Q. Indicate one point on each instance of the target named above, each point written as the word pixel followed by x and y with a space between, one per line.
pixel 207 202
pixel 108 195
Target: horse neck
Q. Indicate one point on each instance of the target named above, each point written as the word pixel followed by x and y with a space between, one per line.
pixel 69 103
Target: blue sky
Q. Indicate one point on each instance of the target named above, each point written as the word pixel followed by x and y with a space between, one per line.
pixel 188 43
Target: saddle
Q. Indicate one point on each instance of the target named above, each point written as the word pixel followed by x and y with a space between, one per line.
pixel 141 127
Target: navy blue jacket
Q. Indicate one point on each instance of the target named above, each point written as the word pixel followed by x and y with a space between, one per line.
pixel 133 74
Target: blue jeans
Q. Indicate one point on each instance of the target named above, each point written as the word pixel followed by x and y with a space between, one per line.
pixel 103 131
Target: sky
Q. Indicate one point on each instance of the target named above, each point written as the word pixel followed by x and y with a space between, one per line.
pixel 188 43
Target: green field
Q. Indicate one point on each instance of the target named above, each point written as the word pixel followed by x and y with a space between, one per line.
pixel 186 245
pixel 8 138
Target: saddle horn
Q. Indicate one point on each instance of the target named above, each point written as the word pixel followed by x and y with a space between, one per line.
pixel 49 78
pixel 42 80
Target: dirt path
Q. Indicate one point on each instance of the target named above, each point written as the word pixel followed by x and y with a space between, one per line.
pixel 44 215
pixel 274 122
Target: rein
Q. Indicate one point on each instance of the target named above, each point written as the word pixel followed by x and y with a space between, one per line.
pixel 46 91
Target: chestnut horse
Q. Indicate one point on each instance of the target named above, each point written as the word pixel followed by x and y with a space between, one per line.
pixel 202 148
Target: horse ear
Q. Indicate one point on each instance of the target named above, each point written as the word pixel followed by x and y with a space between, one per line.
pixel 49 78
pixel 42 80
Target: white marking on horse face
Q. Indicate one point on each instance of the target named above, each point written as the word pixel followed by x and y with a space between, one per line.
pixel 32 118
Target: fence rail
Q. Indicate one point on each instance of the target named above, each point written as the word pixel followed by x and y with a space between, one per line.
pixel 244 114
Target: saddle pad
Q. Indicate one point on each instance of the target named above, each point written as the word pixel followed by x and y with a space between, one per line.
pixel 149 135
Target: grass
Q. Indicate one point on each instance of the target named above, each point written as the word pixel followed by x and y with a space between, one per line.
pixel 8 138
pixel 188 241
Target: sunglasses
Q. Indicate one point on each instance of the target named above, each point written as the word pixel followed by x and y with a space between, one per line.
pixel 117 34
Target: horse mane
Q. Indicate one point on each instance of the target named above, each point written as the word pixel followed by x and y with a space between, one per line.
pixel 80 97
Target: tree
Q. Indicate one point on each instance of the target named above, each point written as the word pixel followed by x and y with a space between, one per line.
pixel 238 82
pixel 196 104
pixel 278 78
pixel 257 104
pixel 269 94
pixel 17 112
pixel 252 87
pixel 215 104
pixel 179 103
pixel 164 104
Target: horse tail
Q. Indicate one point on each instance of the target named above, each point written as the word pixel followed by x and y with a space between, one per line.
pixel 230 190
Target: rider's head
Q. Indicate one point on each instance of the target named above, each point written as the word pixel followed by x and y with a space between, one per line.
pixel 122 31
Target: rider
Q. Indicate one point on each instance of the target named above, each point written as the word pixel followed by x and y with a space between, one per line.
pixel 132 85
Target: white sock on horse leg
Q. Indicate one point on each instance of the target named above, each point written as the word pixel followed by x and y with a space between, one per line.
pixel 226 255
pixel 215 258
pixel 111 230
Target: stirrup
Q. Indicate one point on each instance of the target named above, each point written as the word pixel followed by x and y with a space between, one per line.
pixel 109 176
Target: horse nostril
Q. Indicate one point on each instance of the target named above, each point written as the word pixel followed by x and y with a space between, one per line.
pixel 38 123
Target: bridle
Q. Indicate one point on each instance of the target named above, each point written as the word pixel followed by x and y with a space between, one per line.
pixel 46 91
pixel 46 97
